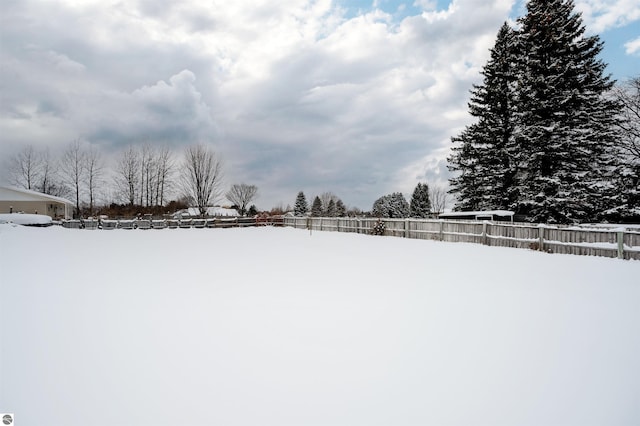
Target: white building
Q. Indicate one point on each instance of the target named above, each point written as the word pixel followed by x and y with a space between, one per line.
pixel 16 200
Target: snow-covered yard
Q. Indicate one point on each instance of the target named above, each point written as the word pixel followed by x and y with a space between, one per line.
pixel 267 326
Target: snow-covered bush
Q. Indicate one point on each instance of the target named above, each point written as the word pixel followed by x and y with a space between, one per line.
pixel 391 206
pixel 378 228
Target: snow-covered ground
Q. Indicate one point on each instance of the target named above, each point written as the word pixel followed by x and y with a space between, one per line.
pixel 268 326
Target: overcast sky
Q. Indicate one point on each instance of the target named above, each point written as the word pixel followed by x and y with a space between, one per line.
pixel 355 97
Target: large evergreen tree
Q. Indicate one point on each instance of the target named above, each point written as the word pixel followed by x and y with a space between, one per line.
pixel 565 123
pixel 420 205
pixel 301 207
pixel 485 156
pixel 543 144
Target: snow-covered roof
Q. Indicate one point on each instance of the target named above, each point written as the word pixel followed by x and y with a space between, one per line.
pixel 18 194
pixel 485 213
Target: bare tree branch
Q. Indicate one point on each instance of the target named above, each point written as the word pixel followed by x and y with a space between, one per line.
pixel 126 178
pixel 25 168
pixel 72 168
pixel 439 198
pixel 94 168
pixel 628 94
pixel 164 172
pixel 241 195
pixel 202 177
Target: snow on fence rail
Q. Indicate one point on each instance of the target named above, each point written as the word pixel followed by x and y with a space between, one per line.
pixel 590 241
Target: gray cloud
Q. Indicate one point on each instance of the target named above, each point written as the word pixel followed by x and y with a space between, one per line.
pixel 294 95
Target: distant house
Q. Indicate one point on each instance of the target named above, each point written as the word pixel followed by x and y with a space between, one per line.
pixel 499 215
pixel 16 200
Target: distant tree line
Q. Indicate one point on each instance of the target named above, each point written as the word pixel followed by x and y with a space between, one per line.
pixel 327 204
pixel 425 203
pixel 145 180
pixel 554 140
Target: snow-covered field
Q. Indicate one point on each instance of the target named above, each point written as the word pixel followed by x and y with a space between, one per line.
pixel 268 326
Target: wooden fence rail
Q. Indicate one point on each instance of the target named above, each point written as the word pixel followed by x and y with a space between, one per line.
pixel 590 241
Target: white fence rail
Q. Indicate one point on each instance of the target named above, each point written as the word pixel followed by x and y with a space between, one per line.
pixel 619 242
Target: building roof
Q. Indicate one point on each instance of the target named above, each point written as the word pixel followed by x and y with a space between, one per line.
pixel 18 194
pixel 499 213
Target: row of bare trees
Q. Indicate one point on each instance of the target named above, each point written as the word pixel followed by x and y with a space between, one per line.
pixel 146 176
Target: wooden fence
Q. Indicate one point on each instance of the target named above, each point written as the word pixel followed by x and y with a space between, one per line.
pixel 590 241
pixel 217 222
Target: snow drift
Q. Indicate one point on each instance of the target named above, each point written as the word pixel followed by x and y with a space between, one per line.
pixel 26 219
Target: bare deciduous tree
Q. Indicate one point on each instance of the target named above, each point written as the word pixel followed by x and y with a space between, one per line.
pixel 202 177
pixel 164 171
pixel 628 95
pixel 50 181
pixel 24 168
pixel 126 178
pixel 145 176
pixel 46 175
pixel 241 195
pixel 72 168
pixel 628 157
pixel 439 198
pixel 94 168
pixel 147 167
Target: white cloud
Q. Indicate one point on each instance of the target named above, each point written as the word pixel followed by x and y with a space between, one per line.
pixel 601 15
pixel 426 4
pixel 633 47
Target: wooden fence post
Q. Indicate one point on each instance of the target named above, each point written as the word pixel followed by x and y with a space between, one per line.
pixel 541 237
pixel 406 228
pixel 485 240
pixel 441 230
pixel 620 245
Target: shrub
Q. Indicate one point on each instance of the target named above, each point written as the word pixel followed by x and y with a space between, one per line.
pixel 378 228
